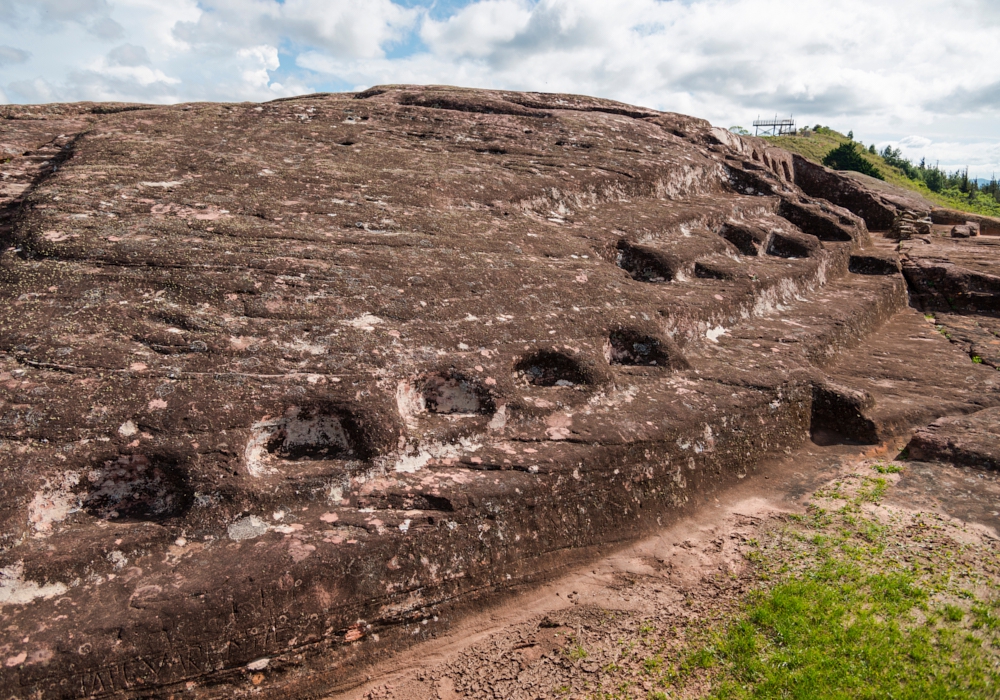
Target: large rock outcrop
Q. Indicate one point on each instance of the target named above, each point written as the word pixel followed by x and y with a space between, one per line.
pixel 286 386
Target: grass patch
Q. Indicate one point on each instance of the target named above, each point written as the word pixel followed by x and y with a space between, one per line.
pixel 576 652
pixel 815 145
pixel 853 614
pixel 841 631
pixel 852 600
pixel 887 468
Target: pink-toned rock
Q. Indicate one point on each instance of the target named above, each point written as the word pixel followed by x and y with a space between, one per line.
pixel 373 357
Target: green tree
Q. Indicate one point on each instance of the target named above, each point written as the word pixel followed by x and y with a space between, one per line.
pixel 847 157
pixel 935 179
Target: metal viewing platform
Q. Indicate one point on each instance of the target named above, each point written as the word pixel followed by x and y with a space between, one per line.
pixel 773 127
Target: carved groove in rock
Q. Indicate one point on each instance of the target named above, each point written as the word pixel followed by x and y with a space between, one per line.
pixel 631 347
pixel 551 368
pixel 453 393
pixel 789 245
pixel 269 397
pixel 646 264
pixel 748 240
pixel 137 488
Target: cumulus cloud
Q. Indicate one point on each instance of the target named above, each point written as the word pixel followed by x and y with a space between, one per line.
pixel 259 60
pixel 979 155
pixel 342 28
pixel 128 55
pixel 107 29
pixel 51 13
pixel 963 99
pixel 478 30
pixel 37 90
pixel 10 55
pixel 887 70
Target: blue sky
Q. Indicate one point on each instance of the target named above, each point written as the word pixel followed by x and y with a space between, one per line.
pixel 918 74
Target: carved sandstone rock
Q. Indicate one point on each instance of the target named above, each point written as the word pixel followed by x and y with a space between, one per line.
pixel 286 387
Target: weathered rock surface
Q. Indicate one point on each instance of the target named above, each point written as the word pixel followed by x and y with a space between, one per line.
pixel 287 386
pixel 987 225
pixel 877 209
pixel 953 275
pixel 968 441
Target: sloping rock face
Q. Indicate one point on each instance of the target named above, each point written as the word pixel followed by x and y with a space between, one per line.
pixel 968 441
pixel 987 225
pixel 287 386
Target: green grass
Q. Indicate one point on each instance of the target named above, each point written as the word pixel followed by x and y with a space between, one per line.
pixel 841 631
pixel 848 599
pixel 814 145
pixel 887 468
pixel 848 614
pixel 854 602
pixel 576 651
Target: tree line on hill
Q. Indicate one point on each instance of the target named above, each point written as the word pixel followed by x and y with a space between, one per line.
pixel 847 156
pixel 956 185
pixel 936 179
pixel 954 189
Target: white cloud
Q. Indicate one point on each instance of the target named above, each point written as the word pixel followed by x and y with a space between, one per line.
pixel 37 90
pixel 259 60
pixel 478 29
pixel 128 55
pixel 980 156
pixel 11 56
pixel 887 70
pixel 342 28
pixel 107 29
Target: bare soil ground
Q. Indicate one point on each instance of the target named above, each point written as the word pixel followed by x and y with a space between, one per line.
pixel 603 631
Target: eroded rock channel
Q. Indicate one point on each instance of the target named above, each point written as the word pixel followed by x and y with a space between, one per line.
pixel 287 387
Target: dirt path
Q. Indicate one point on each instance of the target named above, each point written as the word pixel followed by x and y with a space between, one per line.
pixel 690 570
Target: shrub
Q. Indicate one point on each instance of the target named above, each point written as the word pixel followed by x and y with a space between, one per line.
pixel 846 157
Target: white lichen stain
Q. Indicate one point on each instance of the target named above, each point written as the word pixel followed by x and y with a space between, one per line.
pixel 417 456
pixel 616 398
pixel 559 425
pixel 14 590
pixel 713 334
pixel 499 420
pixel 303 345
pixel 247 528
pixel 364 322
pixel 53 503
pixel 410 402
pixel 255 453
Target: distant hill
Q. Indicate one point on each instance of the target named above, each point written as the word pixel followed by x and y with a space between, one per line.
pixel 815 144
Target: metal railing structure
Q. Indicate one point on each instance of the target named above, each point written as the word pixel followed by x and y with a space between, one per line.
pixel 773 127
